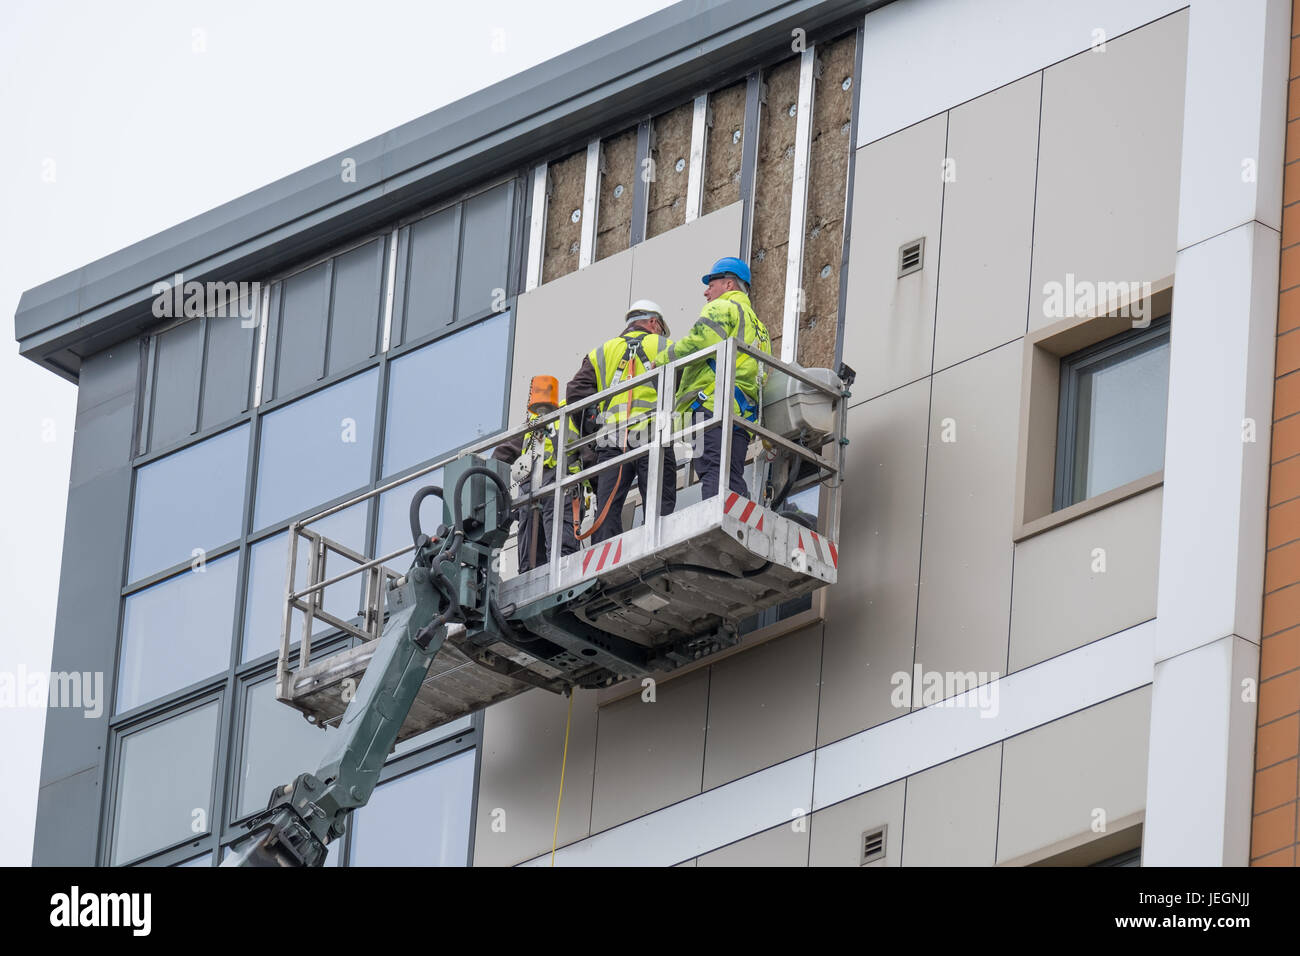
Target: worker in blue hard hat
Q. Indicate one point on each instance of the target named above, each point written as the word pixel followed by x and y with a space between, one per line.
pixel 727 313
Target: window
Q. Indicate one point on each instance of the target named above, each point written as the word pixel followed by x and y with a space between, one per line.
pixel 176 633
pixel 164 783
pixel 276 746
pixel 1112 410
pixel 264 609
pixel 316 448
pixel 447 394
pixel 192 499
pixel 419 819
pixel 395 516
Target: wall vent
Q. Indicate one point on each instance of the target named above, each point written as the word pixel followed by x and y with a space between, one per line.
pixel 911 256
pixel 873 844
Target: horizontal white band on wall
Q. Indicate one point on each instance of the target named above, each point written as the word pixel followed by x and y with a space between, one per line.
pixel 877 756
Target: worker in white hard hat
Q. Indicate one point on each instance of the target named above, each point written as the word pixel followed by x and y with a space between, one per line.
pixel 626 419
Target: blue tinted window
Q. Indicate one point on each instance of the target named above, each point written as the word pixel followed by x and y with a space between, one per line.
pixel 316 449
pixel 446 394
pixel 264 609
pixel 191 499
pixel 164 783
pixel 277 746
pixel 176 633
pixel 395 517
pixel 439 797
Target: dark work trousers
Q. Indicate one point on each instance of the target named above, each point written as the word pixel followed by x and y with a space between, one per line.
pixel 568 541
pixel 610 488
pixel 711 460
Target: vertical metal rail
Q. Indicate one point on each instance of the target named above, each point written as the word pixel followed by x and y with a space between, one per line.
pixel 286 620
pixel 557 502
pixel 794 299
pixel 536 228
pixel 645 172
pixel 590 205
pixel 695 178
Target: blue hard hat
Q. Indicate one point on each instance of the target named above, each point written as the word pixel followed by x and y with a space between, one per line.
pixel 729 265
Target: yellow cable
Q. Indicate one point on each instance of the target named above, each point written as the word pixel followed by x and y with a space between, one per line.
pixel 563 761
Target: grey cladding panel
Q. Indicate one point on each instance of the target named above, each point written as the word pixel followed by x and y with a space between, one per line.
pixel 485 251
pixel 176 378
pixel 227 369
pixel 357 305
pixel 300 332
pixel 430 281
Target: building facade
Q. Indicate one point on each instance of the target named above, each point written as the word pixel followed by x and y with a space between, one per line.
pixel 1049 238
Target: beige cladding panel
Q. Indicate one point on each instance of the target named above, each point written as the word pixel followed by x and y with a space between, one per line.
pixel 952 812
pixel 871 611
pixel 1065 781
pixel 786 845
pixel 970 488
pixel 773 184
pixel 523 744
pixel 667 268
pixel 897 198
pixel 650 754
pixel 835 834
pixel 1109 155
pixel 762 706
pixel 557 323
pixel 1062 598
pixel 988 221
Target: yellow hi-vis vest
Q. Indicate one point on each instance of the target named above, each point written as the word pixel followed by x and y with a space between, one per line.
pixel 547 435
pixel 729 315
pixel 623 353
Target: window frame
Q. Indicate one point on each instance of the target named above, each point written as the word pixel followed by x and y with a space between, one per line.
pixel 1125 345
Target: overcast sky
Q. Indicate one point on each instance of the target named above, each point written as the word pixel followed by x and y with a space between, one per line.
pixel 119 120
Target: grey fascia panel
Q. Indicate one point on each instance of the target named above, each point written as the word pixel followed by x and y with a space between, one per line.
pixel 674 53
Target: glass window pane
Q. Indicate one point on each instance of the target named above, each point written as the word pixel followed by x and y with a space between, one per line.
pixel 176 633
pixel 300 335
pixel 316 449
pixel 485 251
pixel 203 859
pixel 278 744
pixel 164 783
pixel 175 385
pixel 430 274
pixel 227 375
pixel 191 499
pixel 358 288
pixel 468 372
pixel 264 608
pixel 1120 433
pixel 395 517
pixel 438 797
pixel 461 725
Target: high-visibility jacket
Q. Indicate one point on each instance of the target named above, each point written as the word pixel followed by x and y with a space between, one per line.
pixel 546 435
pixel 729 315
pixel 618 360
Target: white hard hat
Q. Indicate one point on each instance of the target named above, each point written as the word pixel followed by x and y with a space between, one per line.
pixel 643 307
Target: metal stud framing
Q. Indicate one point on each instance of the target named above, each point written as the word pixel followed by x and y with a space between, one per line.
pixel 798 208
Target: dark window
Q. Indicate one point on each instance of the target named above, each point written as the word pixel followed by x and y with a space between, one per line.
pixel 430 287
pixel 227 369
pixel 316 448
pixel 1113 404
pixel 484 252
pixel 276 746
pixel 178 361
pixel 439 797
pixel 357 305
pixel 299 346
pixel 164 783
pixel 192 499
pixel 176 633
pixel 264 609
pixel 446 394
pixel 395 516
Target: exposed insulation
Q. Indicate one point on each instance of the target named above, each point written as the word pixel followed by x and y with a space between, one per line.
pixel 770 237
pixel 670 148
pixel 568 179
pixel 723 147
pixel 617 179
pixel 828 170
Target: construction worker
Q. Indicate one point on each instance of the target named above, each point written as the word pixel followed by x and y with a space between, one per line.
pixel 727 313
pixel 534 543
pixel 626 420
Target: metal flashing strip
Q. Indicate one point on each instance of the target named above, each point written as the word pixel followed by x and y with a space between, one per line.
pixel 798 208
pixel 590 204
pixel 261 346
pixel 537 228
pixel 695 178
pixel 874 757
pixel 388 292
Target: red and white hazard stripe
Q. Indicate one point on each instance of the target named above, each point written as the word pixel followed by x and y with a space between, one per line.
pixel 824 548
pixel 746 512
pixel 597 558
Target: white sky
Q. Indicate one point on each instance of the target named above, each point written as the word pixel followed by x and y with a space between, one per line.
pixel 146 131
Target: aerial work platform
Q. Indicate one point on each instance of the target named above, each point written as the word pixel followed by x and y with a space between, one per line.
pixel 657 596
